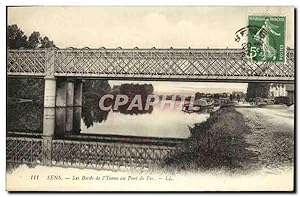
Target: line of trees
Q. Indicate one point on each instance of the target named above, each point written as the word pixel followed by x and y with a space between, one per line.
pixel 133 89
pixel 16 39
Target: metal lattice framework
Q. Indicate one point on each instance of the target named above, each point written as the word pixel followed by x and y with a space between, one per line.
pixel 157 64
pixel 83 154
pixel 24 150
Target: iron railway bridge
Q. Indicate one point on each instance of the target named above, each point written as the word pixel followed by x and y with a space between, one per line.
pixel 64 69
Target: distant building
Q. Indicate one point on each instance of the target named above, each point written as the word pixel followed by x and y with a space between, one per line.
pixel 279 90
pixel 290 89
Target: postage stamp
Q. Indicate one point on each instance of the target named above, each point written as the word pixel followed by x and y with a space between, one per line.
pixel 268 43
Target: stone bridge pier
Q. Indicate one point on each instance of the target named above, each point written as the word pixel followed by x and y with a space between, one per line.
pixel 62 106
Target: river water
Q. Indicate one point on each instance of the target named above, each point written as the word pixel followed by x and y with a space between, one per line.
pixel 155 122
pixel 164 123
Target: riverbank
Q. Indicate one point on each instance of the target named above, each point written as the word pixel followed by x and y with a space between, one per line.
pixel 227 141
pixel 272 135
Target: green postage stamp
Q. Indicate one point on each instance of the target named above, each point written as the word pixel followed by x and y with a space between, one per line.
pixel 268 43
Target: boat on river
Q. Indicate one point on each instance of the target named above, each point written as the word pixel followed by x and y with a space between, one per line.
pixel 198 105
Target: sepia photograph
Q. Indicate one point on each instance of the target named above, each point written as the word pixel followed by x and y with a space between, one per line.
pixel 150 98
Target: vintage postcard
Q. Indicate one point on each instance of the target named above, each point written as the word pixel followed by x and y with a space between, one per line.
pixel 150 98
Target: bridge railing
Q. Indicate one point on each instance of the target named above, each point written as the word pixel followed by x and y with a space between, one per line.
pixel 84 154
pixel 26 62
pixel 148 63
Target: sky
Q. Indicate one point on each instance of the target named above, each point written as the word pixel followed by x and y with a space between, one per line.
pixel 145 27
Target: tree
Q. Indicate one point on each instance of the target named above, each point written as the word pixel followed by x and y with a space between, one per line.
pixel 46 43
pixel 16 38
pixel 261 90
pixel 198 95
pixel 34 40
pixel 134 89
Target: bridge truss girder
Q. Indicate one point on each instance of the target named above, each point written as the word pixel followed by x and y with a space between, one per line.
pixel 148 64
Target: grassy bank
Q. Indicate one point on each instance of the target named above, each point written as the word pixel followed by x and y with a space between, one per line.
pixel 218 143
pixel 272 135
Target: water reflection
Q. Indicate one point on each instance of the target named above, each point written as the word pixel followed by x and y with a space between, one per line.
pixel 25 104
pixel 164 122
pixel 25 117
pixel 93 90
pixel 91 113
